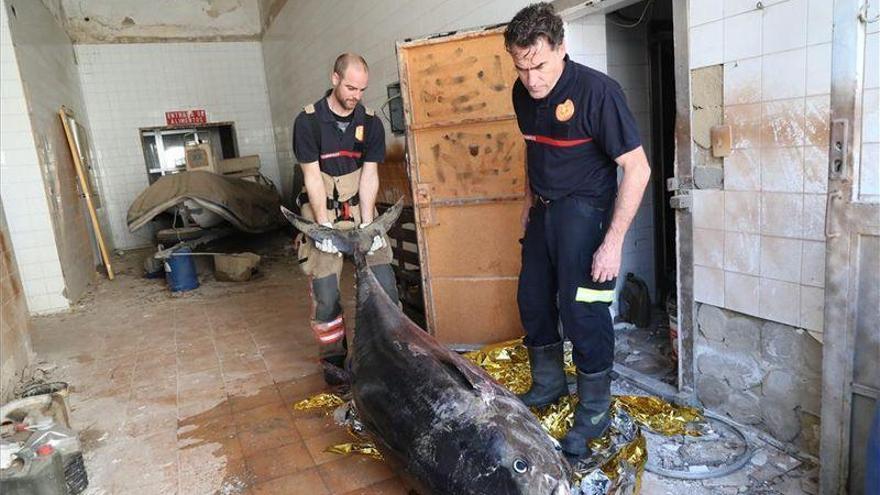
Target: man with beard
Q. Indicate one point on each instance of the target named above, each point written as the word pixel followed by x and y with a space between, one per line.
pixel 339 143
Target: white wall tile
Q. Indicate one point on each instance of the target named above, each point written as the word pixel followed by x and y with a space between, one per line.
pixel 782 169
pixel 781 258
pixel 741 293
pixel 820 17
pixel 734 7
pixel 782 214
pixel 708 208
pixel 785 26
pixel 814 216
pixel 742 170
pixel 815 169
pixel 779 301
pixel 742 36
pixel 709 38
pixel 742 253
pixel 709 247
pixel 742 81
pixel 818 69
pixel 785 74
pixel 709 285
pixel 812 308
pixel 703 12
pixel 742 211
pixel 813 264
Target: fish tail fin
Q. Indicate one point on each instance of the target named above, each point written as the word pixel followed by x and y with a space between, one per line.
pixel 354 242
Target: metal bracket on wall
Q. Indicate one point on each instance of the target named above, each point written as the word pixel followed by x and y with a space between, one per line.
pixel 424 207
pixel 682 199
pixel 681 202
pixel 839 129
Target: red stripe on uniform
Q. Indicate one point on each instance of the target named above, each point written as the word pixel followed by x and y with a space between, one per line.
pixel 559 143
pixel 345 153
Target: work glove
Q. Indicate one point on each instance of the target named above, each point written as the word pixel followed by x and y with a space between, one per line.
pixel 378 241
pixel 327 245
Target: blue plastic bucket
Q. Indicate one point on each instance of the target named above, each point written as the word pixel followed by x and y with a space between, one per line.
pixel 180 271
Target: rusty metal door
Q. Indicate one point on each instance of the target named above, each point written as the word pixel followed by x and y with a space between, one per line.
pixel 466 161
pixel 851 354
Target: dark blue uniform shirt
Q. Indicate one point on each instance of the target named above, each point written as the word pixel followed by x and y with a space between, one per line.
pixel 338 152
pixel 574 134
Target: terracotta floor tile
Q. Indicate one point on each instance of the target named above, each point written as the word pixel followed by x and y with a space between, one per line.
pixel 393 486
pixel 243 400
pixel 278 462
pixel 294 390
pixel 312 424
pixel 353 472
pixel 219 476
pixel 307 482
pixel 318 445
pixel 274 428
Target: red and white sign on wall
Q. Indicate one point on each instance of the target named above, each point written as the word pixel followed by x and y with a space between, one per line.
pixel 186 117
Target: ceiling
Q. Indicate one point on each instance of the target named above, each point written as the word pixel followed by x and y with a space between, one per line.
pixel 131 21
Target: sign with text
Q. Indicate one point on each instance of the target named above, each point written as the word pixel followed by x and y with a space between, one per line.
pixel 186 117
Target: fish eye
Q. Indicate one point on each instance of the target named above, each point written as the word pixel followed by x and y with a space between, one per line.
pixel 520 465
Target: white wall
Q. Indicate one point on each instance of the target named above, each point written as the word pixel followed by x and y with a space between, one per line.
pixel 628 65
pixel 622 54
pixel 304 40
pixel 25 197
pixel 762 235
pixel 51 80
pixel 131 86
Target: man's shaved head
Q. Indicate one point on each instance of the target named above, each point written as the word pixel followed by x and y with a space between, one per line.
pixel 348 59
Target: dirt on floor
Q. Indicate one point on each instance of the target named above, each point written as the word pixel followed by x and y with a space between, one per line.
pixel 191 393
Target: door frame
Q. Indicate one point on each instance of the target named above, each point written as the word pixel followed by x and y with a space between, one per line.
pixel 846 218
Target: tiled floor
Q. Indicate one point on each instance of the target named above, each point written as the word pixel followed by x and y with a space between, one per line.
pixel 192 394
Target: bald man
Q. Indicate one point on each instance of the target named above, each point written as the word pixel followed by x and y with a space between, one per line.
pixel 339 143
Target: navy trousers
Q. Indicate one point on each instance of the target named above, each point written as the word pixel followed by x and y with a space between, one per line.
pixel 555 282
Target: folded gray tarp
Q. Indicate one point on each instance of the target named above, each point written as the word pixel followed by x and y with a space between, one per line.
pixel 248 206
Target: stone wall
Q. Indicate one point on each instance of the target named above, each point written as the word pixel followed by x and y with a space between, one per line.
pixel 760 373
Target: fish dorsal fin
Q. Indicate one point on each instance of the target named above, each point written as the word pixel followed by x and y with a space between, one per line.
pixel 465 377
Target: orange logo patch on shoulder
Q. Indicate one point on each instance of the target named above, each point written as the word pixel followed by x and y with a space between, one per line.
pixel 565 110
pixel 359 133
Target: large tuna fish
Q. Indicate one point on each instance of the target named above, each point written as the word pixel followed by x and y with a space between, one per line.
pixel 445 420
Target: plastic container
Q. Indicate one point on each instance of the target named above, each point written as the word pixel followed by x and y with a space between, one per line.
pixel 180 271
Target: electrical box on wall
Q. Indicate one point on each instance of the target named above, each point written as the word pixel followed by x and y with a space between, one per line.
pixel 395 107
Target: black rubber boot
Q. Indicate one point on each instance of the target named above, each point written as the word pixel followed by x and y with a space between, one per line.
pixel 548 376
pixel 591 416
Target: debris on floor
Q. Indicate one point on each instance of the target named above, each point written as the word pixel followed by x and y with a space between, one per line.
pixel 192 393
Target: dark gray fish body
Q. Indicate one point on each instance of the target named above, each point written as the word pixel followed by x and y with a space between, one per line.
pixel 445 420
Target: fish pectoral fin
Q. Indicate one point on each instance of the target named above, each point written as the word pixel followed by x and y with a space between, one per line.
pixel 462 376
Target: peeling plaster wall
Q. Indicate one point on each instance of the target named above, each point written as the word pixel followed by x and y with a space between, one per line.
pixel 15 342
pixel 50 78
pixel 136 21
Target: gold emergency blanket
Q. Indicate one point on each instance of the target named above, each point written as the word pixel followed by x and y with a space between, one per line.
pixel 619 457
